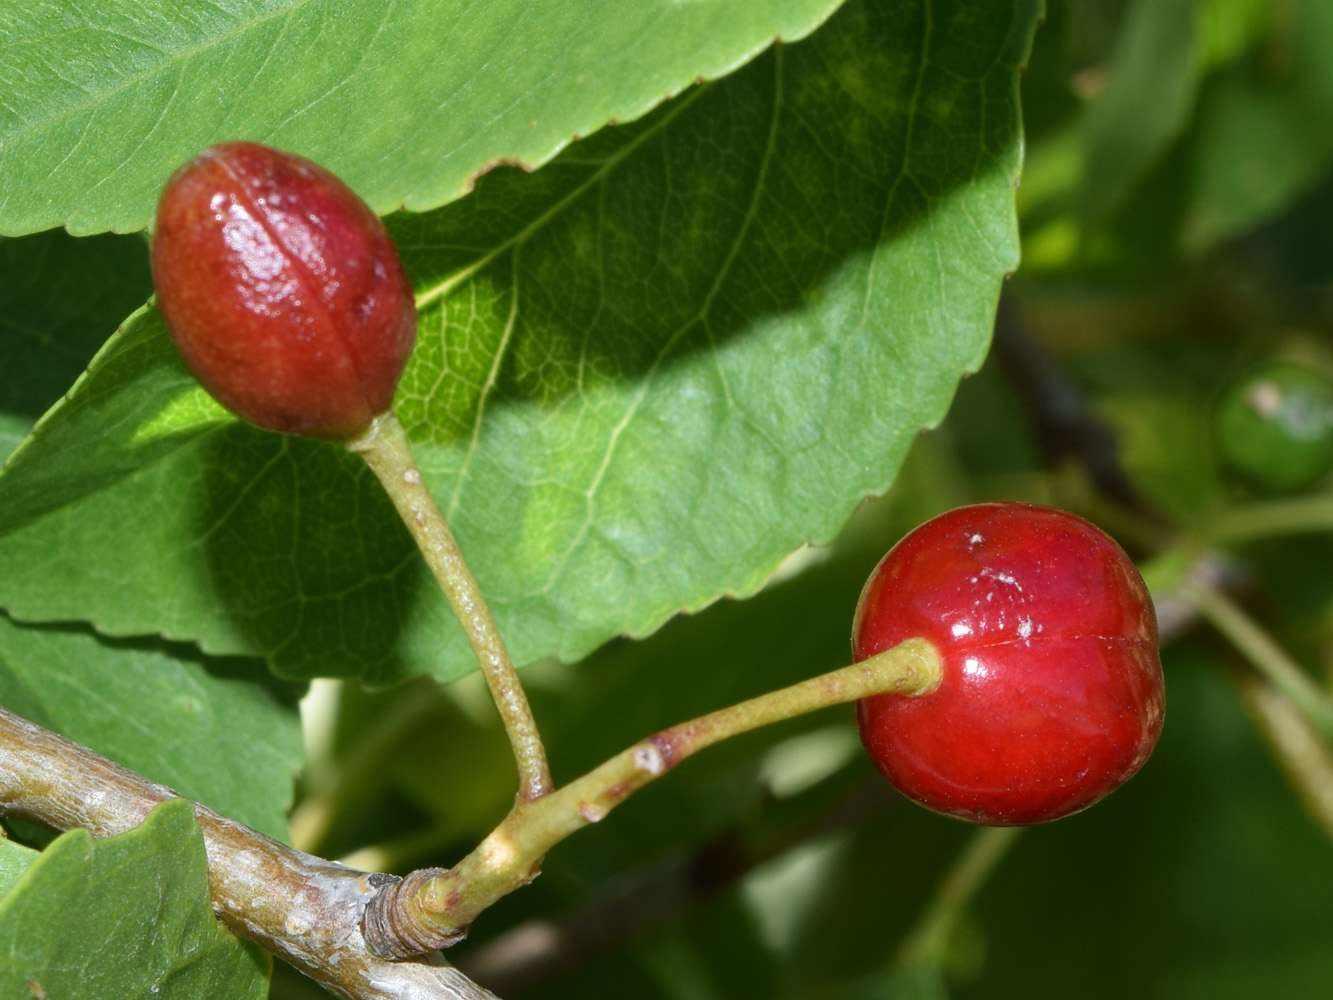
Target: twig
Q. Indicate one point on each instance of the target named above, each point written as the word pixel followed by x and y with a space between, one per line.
pixel 928 941
pixel 538 950
pixel 433 908
pixel 1303 754
pixel 385 448
pixel 1263 519
pixel 305 910
pixel 1258 647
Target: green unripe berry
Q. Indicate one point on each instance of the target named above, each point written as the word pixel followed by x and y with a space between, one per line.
pixel 1275 427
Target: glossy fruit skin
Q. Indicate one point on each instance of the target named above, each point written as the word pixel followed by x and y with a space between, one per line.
pixel 1052 692
pixel 1275 427
pixel 282 290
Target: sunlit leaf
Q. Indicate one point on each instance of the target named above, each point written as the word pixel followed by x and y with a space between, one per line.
pixel 407 101
pixel 645 375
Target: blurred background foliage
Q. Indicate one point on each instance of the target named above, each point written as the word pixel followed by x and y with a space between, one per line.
pixel 1177 221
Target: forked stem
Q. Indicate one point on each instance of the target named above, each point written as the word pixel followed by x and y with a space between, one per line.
pixel 1265 519
pixel 385 448
pixel 1257 646
pixel 433 908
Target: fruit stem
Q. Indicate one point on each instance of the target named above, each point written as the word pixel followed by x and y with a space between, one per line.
pixel 385 448
pixel 1274 517
pixel 1298 746
pixel 1257 646
pixel 433 908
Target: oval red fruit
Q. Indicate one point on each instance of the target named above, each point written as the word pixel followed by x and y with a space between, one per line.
pixel 282 291
pixel 1052 693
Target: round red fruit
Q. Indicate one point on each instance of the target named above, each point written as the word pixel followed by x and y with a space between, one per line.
pixel 1051 695
pixel 282 290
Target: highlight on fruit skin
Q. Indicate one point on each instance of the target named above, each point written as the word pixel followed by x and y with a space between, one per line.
pixel 1052 692
pixel 282 291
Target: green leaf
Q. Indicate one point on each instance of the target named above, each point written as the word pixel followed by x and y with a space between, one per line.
pixel 61 298
pixel 407 101
pixel 645 375
pixel 134 406
pixel 14 861
pixel 211 729
pixel 1254 147
pixel 128 916
pixel 1153 80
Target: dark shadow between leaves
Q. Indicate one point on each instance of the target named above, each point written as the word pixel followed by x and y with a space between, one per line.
pixel 60 299
pixel 240 669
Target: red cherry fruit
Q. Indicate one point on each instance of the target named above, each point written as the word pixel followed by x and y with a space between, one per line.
pixel 1051 695
pixel 282 291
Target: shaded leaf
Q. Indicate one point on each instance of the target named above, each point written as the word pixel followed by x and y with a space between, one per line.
pixel 210 729
pixel 60 299
pixel 1153 78
pixel 128 916
pixel 1254 147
